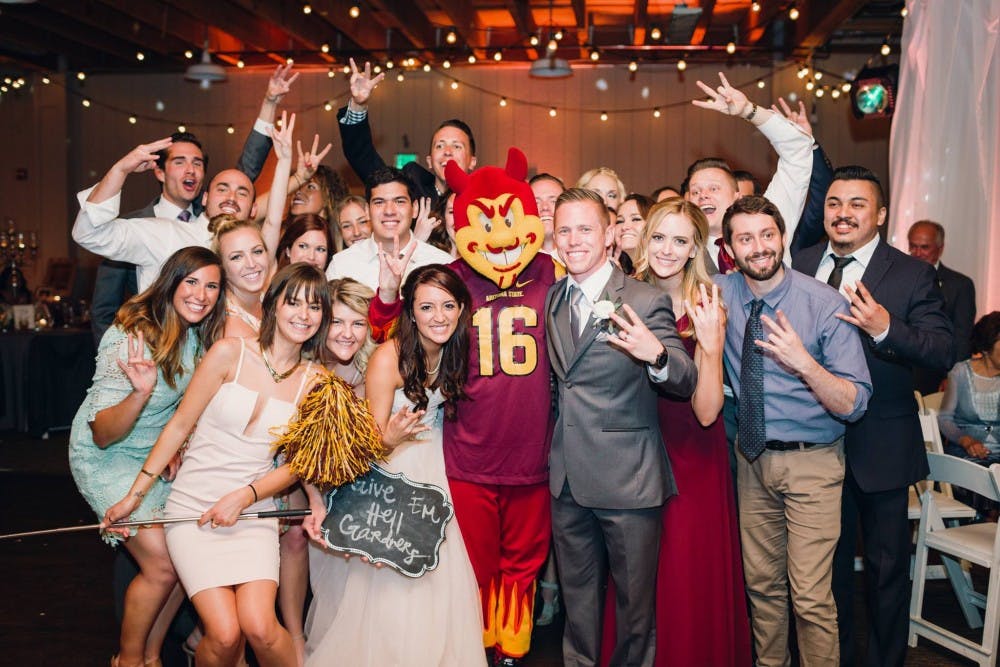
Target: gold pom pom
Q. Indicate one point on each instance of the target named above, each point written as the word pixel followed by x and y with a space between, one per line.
pixel 333 438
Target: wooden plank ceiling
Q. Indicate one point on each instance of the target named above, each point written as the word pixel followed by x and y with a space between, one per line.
pixel 110 35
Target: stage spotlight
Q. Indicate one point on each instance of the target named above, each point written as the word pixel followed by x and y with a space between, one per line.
pixel 873 93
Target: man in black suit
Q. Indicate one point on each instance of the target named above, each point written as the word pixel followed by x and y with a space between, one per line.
pixel 926 239
pixel 180 169
pixel 897 308
pixel 452 140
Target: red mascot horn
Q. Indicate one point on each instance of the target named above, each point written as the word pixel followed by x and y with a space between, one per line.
pixel 457 179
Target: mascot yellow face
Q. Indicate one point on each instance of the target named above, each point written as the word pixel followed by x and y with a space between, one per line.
pixel 497 229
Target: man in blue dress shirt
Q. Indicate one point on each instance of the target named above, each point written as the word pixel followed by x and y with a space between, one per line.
pixel 799 374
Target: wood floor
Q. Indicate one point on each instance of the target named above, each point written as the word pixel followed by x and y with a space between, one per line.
pixel 56 608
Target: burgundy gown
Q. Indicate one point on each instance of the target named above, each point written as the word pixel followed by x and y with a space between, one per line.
pixel 701 613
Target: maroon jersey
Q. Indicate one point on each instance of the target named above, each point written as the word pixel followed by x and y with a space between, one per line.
pixel 504 427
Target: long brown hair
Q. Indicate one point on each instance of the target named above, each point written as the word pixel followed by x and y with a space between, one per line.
pixel 454 353
pixel 695 271
pixel 285 286
pixel 152 312
pixel 295 227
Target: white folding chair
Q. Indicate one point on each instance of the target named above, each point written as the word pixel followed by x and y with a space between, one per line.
pixel 977 543
pixel 920 400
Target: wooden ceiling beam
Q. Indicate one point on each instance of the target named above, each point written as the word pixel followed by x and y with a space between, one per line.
pixel 46 21
pixel 704 22
pixel 463 17
pixel 640 20
pixel 820 18
pixel 407 19
pixel 524 21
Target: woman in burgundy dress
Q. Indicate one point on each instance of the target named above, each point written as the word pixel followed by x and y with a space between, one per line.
pixel 701 616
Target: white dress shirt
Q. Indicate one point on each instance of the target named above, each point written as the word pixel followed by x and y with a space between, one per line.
pixel 169 211
pixel 360 261
pixel 145 242
pixel 852 271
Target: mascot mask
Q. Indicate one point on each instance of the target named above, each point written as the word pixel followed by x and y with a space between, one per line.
pixel 497 229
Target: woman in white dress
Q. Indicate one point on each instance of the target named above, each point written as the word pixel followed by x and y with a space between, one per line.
pixel 375 617
pixel 243 392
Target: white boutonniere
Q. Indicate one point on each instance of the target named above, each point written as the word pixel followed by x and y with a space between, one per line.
pixel 602 311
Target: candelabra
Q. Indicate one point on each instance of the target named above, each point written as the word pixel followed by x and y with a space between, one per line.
pixel 17 248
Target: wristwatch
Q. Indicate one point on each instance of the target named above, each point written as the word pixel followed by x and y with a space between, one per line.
pixel 661 360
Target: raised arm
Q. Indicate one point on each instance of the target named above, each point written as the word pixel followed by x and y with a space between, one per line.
pixel 258 142
pixel 355 132
pixel 271 229
pixel 709 320
pixel 139 159
pixel 114 422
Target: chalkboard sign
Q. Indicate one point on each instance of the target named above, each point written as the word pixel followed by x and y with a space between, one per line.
pixel 388 519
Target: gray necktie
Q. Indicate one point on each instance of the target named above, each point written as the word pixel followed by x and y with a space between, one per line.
pixel 575 314
pixel 184 216
pixel 838 270
pixel 752 433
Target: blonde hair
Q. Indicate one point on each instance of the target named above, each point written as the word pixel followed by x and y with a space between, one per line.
pixel 695 270
pixel 357 297
pixel 589 175
pixel 225 223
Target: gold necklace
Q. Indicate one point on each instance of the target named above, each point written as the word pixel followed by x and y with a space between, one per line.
pixel 275 375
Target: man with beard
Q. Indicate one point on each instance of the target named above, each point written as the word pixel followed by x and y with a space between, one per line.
pixel 798 373
pixel 898 313
pixel 148 242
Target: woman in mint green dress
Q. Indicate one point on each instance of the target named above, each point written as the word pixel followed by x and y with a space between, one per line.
pixel 144 363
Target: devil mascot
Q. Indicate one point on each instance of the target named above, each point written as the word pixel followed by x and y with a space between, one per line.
pixel 496 452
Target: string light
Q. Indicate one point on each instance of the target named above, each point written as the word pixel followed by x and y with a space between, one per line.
pixel 400 77
pixel 325 48
pixel 498 56
pixel 472 58
pixel 182 128
pixel 389 64
pixel 46 80
pixel 86 103
pixel 819 92
pixel 533 40
pixel 346 69
pixel 552 45
pixel 885 50
pixel 454 84
pixel 330 73
pixel 793 13
pixel 189 54
pixel 656 112
pixel 755 6
pixel 451 37
pixel 240 64
pixel 81 76
pixel 354 12
pixel 731 48
pixel 810 85
pixel 903 12
pixel 307 9
pixel 327 106
pixel 446 64
pixel 230 129
pixel 132 120
pixel 377 69
pixel 289 61
pixel 760 83
pixel 559 35
pixel 140 56
pixel 803 72
pixel 595 55
pixel 427 67
pixel 503 101
pixel 552 112
pixel 818 75
pixel 604 115
pixel 655 33
pixel 846 86
pixel 633 66
pixel 835 93
pixel 682 65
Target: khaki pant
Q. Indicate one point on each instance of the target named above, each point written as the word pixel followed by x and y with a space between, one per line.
pixel 789 504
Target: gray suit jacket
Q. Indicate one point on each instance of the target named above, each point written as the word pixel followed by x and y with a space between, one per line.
pixel 607 441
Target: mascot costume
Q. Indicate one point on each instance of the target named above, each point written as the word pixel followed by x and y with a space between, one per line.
pixel 496 452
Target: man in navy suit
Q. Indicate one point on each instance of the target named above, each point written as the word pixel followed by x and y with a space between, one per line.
pixel 896 306
pixel 926 240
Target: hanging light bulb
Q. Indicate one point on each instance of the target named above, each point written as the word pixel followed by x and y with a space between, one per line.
pixel 46 80
pixel 503 101
pixel 810 85
pixel 820 92
pixel 132 120
pixel 793 13
pixel 81 76
pixel 307 9
pixel 552 112
pixel 731 48
pixel 230 129
pixel 755 6
pixel 354 12
pixel 140 56
pixel 330 73
pixel 389 64
pixel 325 48
pixel 604 115
pixel 846 86
pixel 533 40
pixel 240 64
pixel 817 75
pixel 327 106
pixel 454 84
pixel 760 83
pixel 655 33
pixel 498 56
pixel 451 37
pixel 446 64
pixel 803 72
pixel 427 67
pixel 885 50
pixel 633 66
pixel 595 55
pixel 835 93
pixel 400 77
pixel 86 103
pixel 558 35
pixel 182 128
pixel 346 69
pixel 552 45
pixel 656 112
pixel 682 64
pixel 472 58
pixel 904 12
pixel 189 54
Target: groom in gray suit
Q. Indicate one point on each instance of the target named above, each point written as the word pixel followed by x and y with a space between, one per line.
pixel 613 343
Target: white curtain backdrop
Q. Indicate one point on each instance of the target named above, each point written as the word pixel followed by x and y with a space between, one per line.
pixel 944 151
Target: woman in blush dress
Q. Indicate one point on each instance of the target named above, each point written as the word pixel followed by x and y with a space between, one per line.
pixel 372 617
pixel 133 395
pixel 701 614
pixel 243 393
